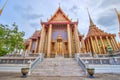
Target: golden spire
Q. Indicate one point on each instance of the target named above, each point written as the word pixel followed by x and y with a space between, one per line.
pixel 3 7
pixel 91 22
pixel 118 14
pixel 59 4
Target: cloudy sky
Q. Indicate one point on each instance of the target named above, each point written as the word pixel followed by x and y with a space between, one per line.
pixel 28 13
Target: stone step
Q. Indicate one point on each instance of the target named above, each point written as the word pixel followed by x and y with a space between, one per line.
pixel 65 67
pixel 57 71
pixel 58 67
pixel 47 63
pixel 68 70
pixel 57 74
pixel 71 65
pixel 58 64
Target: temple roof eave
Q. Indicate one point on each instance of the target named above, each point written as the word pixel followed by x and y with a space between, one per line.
pixel 47 23
pixel 108 35
pixel 35 37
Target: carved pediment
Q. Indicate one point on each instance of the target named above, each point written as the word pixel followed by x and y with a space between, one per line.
pixel 59 16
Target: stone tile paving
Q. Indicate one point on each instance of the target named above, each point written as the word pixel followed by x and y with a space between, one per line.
pixel 17 76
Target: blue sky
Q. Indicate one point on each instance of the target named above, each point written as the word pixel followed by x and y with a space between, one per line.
pixel 28 13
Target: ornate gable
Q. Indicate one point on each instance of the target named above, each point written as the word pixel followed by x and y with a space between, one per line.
pixel 59 16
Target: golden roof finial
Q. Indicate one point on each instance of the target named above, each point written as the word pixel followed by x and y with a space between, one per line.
pixel 51 15
pixel 40 20
pixel 91 22
pixel 59 5
pixel 77 19
pixel 3 7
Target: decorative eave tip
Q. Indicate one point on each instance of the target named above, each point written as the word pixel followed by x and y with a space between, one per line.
pixel 116 11
pixel 77 19
pixel 41 21
pixel 1 10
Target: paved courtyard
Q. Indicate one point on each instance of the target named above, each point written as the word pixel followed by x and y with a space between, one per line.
pixel 17 76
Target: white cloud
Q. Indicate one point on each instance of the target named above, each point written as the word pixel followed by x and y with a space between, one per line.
pixel 34 10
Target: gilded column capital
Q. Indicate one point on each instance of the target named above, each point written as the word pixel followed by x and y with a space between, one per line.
pixel 50 25
pixel 100 37
pixel 68 24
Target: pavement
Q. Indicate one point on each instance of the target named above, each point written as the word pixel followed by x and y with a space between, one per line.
pixel 17 76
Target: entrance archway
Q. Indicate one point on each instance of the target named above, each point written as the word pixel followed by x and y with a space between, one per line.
pixel 59 46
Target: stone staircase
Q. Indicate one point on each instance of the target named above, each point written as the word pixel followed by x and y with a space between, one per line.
pixel 58 67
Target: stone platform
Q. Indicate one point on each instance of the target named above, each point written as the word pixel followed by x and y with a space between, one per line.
pixel 17 76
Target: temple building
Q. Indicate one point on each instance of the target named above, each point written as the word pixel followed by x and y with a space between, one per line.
pixel 60 36
pixel 97 40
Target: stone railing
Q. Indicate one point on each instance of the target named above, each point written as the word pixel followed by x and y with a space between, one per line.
pixel 35 62
pixel 15 60
pixel 85 55
pixel 12 55
pixel 14 64
pixel 81 62
pixel 115 53
pixel 104 65
pixel 103 60
pixel 22 55
pixel 115 60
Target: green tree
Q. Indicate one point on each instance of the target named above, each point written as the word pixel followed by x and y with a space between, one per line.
pixel 10 39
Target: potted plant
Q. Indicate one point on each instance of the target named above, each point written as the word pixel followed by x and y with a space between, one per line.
pixel 24 72
pixel 91 72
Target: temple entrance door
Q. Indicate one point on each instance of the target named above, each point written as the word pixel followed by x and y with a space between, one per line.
pixel 59 46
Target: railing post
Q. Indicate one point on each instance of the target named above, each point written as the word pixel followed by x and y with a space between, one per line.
pixel 32 64
pixel 29 66
pixel 77 56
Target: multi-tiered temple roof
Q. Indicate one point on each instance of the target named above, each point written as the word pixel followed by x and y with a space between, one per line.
pixel 95 31
pixel 36 34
